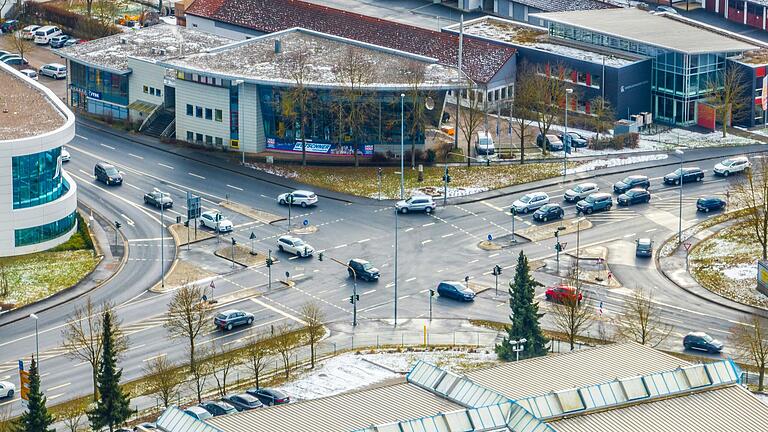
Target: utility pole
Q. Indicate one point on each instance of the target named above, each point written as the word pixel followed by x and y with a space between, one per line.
pixel 513 212
pixel 431 294
pixel 290 204
pixel 269 269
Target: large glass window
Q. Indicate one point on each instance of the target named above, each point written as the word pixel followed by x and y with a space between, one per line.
pixel 98 84
pixel 43 233
pixel 37 179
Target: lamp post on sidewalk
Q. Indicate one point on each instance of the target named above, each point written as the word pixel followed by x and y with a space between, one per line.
pixel 162 235
pixel 566 138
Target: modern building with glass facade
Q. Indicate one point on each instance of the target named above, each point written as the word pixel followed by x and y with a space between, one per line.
pixel 38 199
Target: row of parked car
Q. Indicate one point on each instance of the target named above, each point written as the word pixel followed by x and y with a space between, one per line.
pixel 251 399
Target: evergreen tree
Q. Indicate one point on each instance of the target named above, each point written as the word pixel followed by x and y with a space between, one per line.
pixel 524 315
pixel 112 408
pixel 36 418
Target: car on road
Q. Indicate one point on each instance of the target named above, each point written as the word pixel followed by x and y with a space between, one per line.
pixel 580 191
pixel 577 140
pixel 634 196
pixel 107 174
pixel 416 203
pixel 58 41
pixel 53 70
pixel 269 396
pixel 702 341
pixel 229 319
pixel 300 197
pixel 28 32
pixel 644 248
pixel 594 203
pixel 199 413
pixel 689 174
pixel 218 408
pixel 214 220
pixel 243 401
pixel 295 246
pixel 550 142
pixel 530 201
pixel 562 293
pixel 15 61
pixel 363 269
pixel 709 203
pixel 30 73
pixel 548 212
pixel 456 291
pixel 65 157
pixel 7 389
pixel 631 182
pixel 732 165
pixel 158 199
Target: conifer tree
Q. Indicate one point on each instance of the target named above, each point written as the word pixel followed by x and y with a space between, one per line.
pixel 36 418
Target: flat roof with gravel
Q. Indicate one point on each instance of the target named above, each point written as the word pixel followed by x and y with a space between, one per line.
pixel 24 110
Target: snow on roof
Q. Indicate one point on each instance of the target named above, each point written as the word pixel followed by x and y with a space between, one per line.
pixel 481 60
pixel 29 111
pixel 255 60
pixel 153 43
pixel 565 5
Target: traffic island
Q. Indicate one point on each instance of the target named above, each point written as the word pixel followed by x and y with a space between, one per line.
pixel 187 235
pixel 501 242
pixel 243 256
pixel 543 232
pixel 255 214
pixel 304 230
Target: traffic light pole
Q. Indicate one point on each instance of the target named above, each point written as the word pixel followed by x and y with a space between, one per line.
pixel 431 294
pixel 269 270
pixel 354 297
pixel 445 183
pixel 513 212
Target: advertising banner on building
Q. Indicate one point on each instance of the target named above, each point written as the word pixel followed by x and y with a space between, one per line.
pixel 330 149
pixel 765 93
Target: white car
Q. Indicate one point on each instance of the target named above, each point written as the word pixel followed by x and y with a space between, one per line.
pixel 53 70
pixel 215 221
pixel 416 203
pixel 531 201
pixel 28 32
pixel 295 246
pixel 732 165
pixel 30 73
pixel 65 155
pixel 580 191
pixel 300 197
pixel 7 389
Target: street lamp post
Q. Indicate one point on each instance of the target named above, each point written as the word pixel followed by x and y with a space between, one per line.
pixel 513 212
pixel 431 294
pixel 162 235
pixel 578 238
pixel 517 347
pixel 37 340
pixel 681 155
pixel 565 134
pixel 397 217
pixel 402 145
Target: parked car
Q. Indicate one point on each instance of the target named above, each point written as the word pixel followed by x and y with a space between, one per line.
pixel 232 318
pixel 548 212
pixel 363 269
pixel 550 142
pixel 577 140
pixel 218 408
pixel 300 197
pixel 44 34
pixel 30 73
pixel 667 9
pixel 644 248
pixel 214 220
pixel 7 389
pixel 530 201
pixel 4 52
pixel 295 246
pixel 269 396
pixel 158 199
pixel 562 293
pixel 72 41
pixel 65 157
pixel 596 202
pixel 28 32
pixel 631 182
pixel 689 174
pixel 58 41
pixel 199 413
pixel 580 191
pixel 455 290
pixel 702 341
pixel 634 196
pixel 423 203
pixel 16 61
pixel 107 174
pixel 709 203
pixel 7 55
pixel 53 70
pixel 9 26
pixel 144 426
pixel 732 165
pixel 243 401
pixel 484 144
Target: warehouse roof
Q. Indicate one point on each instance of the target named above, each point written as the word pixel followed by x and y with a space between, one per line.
pixel 481 60
pixel 656 30
pixel 25 110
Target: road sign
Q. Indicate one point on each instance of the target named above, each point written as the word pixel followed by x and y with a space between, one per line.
pixel 212 285
pixel 306 222
pixel 24 381
pixel 563 245
pixel 287 274
pixel 490 237
pixel 687 246
pixel 252 236
pixel 601 308
pixel 194 208
pixel 21 364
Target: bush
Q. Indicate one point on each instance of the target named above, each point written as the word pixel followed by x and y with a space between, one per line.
pixel 380 157
pixel 431 156
pixel 618 142
pixel 80 240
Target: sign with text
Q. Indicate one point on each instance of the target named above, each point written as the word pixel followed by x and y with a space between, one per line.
pixel 194 208
pixel 762 276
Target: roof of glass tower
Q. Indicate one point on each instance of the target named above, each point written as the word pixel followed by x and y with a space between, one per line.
pixel 25 110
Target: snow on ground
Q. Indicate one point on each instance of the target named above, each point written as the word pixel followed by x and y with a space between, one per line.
pixel 741 272
pixel 762 396
pixel 273 169
pixel 454 361
pixel 614 162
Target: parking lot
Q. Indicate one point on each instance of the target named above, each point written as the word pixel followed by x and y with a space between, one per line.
pixel 38 56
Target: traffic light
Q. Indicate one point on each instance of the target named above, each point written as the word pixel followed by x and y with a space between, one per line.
pixel 431 293
pixel 186 223
pixel 497 270
pixel 354 298
pixel 118 224
pixel 513 211
pixel 447 178
pixel 558 247
pixel 270 261
pixel 234 242
pixel 320 256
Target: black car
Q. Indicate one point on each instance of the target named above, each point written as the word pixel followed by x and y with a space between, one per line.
pixel 634 196
pixel 710 203
pixel 577 140
pixel 107 174
pixel 548 212
pixel 689 174
pixel 363 269
pixel 243 401
pixel 456 291
pixel 702 341
pixel 644 248
pixel 631 182
pixel 596 202
pixel 217 408
pixel 269 396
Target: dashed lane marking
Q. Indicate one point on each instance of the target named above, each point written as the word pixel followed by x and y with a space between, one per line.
pixel 234 187
pixel 497 208
pixel 428 224
pixel 196 175
pixel 165 166
pixel 426 241
pixel 107 146
pixel 136 156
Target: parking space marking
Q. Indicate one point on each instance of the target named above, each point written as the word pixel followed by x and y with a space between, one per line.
pixel 447 235
pixel 340 246
pixel 364 240
pixel 410 279
pixel 630 235
pixel 409 229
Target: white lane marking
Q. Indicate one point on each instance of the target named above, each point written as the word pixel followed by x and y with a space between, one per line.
pixel 107 146
pixel 130 185
pixel 198 176
pixel 409 229
pixel 165 166
pixel 492 206
pixel 410 279
pixel 154 357
pixel 493 255
pixel 340 246
pixel 428 224
pixel 651 230
pixel 274 309
pixel 81 137
pixel 148 239
pixel 57 387
pixel 368 292
pixel 364 240
pixel 234 187
pixel 474 261
pixel 136 156
pixel 138 207
pixel 403 297
pixel 135 347
pixel 448 235
pixel 630 235
pixel 127 219
pixel 426 241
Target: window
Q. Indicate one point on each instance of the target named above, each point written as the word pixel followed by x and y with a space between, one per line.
pixel 208 139
pixel 208 114
pixel 158 93
pixel 43 233
pixel 189 110
pixel 218 115
pixel 199 112
pixel 37 179
pixel 190 136
pixel 199 137
pixel 219 141
pixel 146 89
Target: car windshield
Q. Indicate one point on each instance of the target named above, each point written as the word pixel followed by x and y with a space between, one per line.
pixel 221 316
pixel 707 338
pixel 484 141
pixel 590 199
pixel 367 266
pixel 677 172
pixel 727 162
pixel 298 242
pixel 627 180
pixel 526 199
pixel 111 171
pixel 547 207
pixel 578 189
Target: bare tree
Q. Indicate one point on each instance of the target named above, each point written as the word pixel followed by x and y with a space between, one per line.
pixel 187 318
pixel 163 379
pixel 572 316
pixel 20 44
pixel 260 350
pixel 551 95
pixel 72 416
pixel 200 370
pixel 750 342
pixel 415 73
pixel 222 364
pixel 642 321
pixel 297 65
pixel 313 316
pixel 285 342
pixel 522 111
pixel 354 71
pixel 82 337
pixel 7 422
pixel 602 114
pixel 5 287
pixel 728 95
pixel 471 118
pixel 751 192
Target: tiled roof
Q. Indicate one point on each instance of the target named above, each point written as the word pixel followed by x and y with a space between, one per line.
pixel 481 60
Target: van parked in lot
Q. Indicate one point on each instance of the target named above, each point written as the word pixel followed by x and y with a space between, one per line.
pixel 484 144
pixel 54 70
pixel 43 35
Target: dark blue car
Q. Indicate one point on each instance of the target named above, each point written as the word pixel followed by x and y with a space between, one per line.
pixel 456 291
pixel 548 212
pixel 631 182
pixel 711 203
pixel 596 202
pixel 634 196
pixel 702 341
pixel 232 318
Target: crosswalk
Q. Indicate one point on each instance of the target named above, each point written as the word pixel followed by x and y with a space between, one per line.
pixel 616 215
pixel 673 204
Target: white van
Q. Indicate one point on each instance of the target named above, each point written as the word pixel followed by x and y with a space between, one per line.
pixel 53 70
pixel 484 144
pixel 43 35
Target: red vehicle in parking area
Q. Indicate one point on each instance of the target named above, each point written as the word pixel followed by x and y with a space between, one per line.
pixel 561 293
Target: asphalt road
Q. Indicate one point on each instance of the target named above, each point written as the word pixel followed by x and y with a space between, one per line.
pixel 442 246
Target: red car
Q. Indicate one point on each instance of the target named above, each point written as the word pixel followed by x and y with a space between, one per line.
pixel 562 292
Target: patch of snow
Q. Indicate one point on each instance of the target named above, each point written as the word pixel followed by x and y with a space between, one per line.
pixel 273 169
pixel 691 139
pixel 741 272
pixel 763 397
pixel 614 162
pixel 454 361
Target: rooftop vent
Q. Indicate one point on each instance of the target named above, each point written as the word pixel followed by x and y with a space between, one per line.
pixel 278 46
pixel 123 40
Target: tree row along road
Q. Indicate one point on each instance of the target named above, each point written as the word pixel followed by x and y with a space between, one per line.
pixel 431 248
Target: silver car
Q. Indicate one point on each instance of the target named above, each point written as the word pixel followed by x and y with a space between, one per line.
pixel 423 203
pixel 530 202
pixel 580 191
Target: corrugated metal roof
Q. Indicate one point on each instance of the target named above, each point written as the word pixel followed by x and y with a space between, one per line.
pixel 541 375
pixel 731 409
pixel 340 413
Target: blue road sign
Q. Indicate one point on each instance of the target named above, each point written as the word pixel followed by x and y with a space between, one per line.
pixel 490 237
pixel 194 209
pixel 306 222
pixel 21 364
